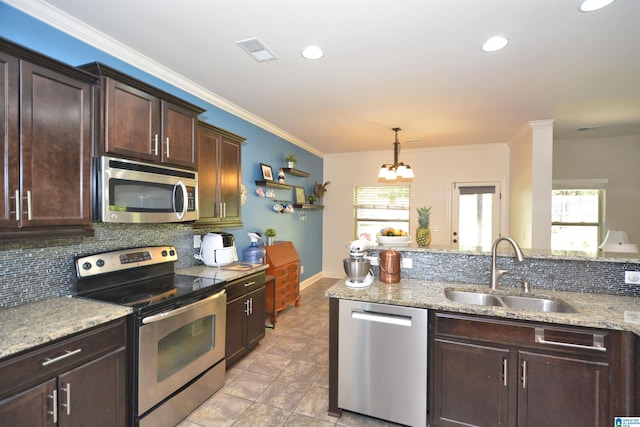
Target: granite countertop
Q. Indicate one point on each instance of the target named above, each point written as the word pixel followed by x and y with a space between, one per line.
pixel 227 273
pixel 592 310
pixel 30 325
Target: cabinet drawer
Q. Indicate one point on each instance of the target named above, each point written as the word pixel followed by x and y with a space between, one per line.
pixel 525 334
pixel 242 286
pixel 36 366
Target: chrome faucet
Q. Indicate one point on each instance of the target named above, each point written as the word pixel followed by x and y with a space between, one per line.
pixel 495 273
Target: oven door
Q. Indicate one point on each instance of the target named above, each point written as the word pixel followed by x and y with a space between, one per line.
pixel 178 345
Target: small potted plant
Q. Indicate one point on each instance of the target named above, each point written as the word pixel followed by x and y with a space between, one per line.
pixel 313 198
pixel 270 234
pixel 291 159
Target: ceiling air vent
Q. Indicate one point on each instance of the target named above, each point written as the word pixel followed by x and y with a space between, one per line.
pixel 257 49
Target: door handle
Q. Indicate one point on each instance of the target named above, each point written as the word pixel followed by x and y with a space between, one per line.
pixel 390 319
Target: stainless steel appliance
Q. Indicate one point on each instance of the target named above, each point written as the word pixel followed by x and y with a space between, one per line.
pixel 129 191
pixel 357 266
pixel 382 361
pixel 217 249
pixel 176 334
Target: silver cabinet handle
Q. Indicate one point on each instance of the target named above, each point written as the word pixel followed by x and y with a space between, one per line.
pixel 504 372
pixel 155 145
pixel 68 353
pixel 67 404
pixel 598 342
pixel 167 147
pixel 246 285
pixel 524 374
pixel 54 411
pixel 224 209
pixel 29 205
pixel 18 205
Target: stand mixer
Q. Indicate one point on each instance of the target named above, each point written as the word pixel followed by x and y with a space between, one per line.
pixel 357 267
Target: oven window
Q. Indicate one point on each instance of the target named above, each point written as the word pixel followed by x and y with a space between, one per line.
pixel 184 345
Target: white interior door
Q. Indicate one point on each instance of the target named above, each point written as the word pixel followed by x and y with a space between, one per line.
pixel 475 215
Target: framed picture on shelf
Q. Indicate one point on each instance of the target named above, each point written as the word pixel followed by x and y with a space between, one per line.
pixel 267 173
pixel 301 197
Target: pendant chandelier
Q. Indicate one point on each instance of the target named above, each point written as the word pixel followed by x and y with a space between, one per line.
pixel 396 170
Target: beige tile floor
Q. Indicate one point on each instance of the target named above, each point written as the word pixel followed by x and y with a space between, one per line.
pixel 284 381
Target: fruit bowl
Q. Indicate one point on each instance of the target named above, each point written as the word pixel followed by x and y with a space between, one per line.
pixel 393 240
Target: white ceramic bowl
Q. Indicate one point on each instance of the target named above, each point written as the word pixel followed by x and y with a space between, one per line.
pixel 393 240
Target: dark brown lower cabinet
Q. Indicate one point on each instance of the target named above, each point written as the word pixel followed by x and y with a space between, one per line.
pixel 246 301
pixel 494 372
pixel 68 383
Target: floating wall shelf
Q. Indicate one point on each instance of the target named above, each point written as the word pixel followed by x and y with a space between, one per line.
pixel 273 184
pixel 308 206
pixel 296 172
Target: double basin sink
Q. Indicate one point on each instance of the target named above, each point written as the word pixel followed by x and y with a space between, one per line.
pixel 530 303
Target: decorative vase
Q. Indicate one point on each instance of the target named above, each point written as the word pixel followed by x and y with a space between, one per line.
pixel 423 236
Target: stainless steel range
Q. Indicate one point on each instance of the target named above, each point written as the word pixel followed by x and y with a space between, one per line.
pixel 176 334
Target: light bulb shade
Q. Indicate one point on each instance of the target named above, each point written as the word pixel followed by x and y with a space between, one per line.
pixel 400 171
pixel 617 241
pixel 408 172
pixel 391 175
pixel 382 173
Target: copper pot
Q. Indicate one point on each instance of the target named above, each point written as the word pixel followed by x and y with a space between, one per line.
pixel 390 266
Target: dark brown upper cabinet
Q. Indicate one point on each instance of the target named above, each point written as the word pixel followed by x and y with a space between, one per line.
pixel 139 121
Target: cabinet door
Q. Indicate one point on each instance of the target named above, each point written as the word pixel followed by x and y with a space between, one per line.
pixel 9 140
pixel 178 135
pixel 562 391
pixel 256 318
pixel 230 178
pixel 33 407
pixel 471 386
pixel 55 150
pixel 207 174
pixel 235 342
pixel 131 121
pixel 94 394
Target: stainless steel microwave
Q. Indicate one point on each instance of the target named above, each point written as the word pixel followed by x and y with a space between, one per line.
pixel 130 191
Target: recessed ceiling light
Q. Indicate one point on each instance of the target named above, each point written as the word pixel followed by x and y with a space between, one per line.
pixel 591 5
pixel 494 43
pixel 312 52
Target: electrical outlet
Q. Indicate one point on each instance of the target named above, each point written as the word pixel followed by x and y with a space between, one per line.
pixel 302 269
pixel 407 263
pixel 632 277
pixel 197 241
pixel 373 260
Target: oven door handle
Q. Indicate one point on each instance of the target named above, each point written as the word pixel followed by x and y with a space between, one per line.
pixel 171 313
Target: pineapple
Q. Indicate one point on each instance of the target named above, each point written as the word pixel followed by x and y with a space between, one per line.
pixel 423 233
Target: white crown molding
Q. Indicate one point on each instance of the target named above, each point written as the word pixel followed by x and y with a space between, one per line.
pixel 66 23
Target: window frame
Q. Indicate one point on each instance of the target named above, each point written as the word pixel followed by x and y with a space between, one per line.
pixel 405 199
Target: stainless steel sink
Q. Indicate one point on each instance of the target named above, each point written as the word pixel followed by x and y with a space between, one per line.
pixel 511 301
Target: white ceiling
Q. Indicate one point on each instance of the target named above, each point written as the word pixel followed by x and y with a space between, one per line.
pixel 412 64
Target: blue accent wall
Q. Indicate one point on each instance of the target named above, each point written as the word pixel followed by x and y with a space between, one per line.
pixel 261 146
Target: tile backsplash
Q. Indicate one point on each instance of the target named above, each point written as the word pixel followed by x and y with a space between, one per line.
pixel 39 269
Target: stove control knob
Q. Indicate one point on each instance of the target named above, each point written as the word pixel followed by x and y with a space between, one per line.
pixel 100 262
pixel 164 253
pixel 86 266
pixel 172 252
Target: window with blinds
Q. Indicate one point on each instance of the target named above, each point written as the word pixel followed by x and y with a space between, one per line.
pixel 380 207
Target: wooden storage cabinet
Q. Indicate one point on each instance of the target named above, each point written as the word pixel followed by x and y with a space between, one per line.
pixel 284 265
pixel 245 316
pixel 141 122
pixel 488 371
pixel 73 382
pixel 45 129
pixel 219 177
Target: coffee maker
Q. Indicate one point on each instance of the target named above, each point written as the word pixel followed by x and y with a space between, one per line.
pixel 357 266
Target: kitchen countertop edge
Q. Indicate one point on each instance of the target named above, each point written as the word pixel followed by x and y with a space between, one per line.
pixel 31 325
pixel 600 311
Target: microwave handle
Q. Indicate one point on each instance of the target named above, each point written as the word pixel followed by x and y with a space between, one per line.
pixel 185 200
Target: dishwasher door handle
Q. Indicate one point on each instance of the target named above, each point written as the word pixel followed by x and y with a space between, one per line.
pixel 389 319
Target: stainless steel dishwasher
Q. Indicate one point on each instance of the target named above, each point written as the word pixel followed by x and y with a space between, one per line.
pixel 382 361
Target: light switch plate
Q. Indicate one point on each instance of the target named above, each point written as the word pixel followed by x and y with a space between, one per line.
pixel 407 263
pixel 632 277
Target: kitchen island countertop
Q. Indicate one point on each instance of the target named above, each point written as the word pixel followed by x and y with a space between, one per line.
pixel 30 325
pixel 592 310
